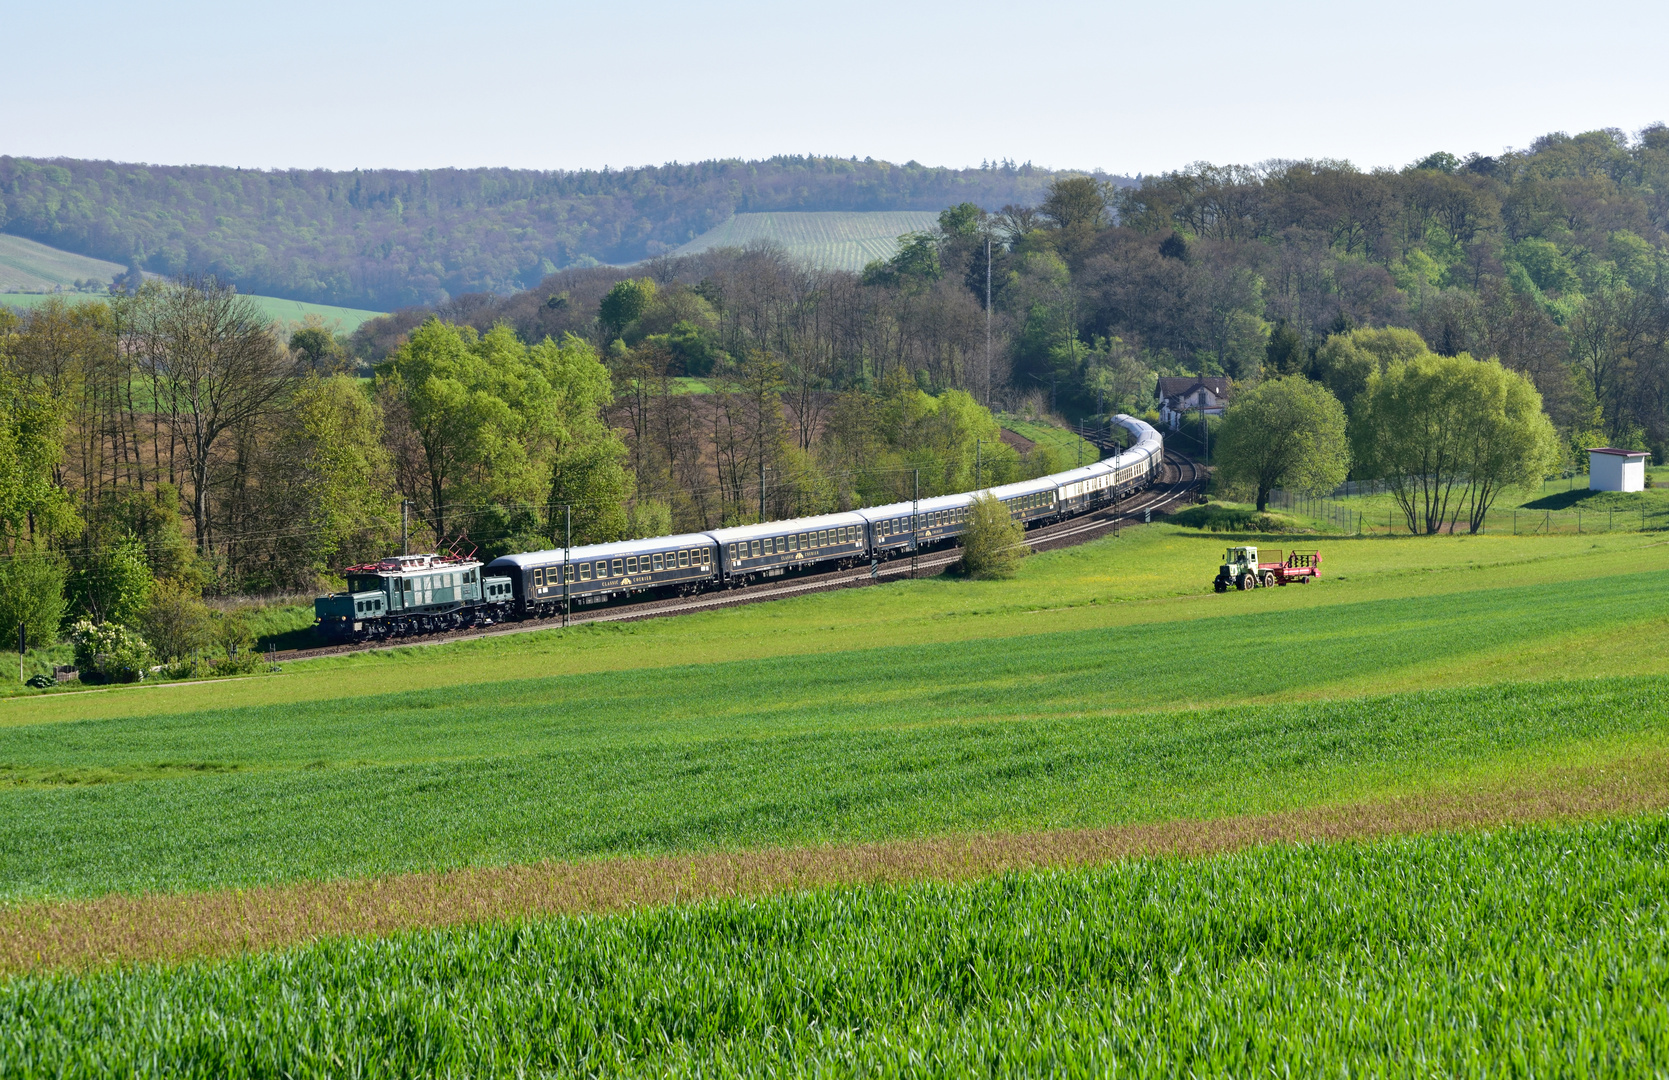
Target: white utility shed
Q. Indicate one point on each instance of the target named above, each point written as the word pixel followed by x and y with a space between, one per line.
pixel 1610 469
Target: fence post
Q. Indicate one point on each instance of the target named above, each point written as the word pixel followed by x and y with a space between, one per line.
pixel 1515 522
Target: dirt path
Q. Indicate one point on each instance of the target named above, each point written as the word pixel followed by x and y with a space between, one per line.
pixel 114 929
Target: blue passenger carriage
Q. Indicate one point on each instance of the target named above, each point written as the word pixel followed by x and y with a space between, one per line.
pixel 747 552
pixel 600 572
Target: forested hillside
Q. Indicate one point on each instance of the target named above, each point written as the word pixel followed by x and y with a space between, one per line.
pixel 1552 259
pixel 384 238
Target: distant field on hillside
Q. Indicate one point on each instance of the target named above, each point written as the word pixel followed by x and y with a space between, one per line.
pixel 342 320
pixel 25 264
pixel 833 240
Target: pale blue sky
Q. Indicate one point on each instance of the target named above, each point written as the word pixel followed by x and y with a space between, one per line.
pixel 1126 87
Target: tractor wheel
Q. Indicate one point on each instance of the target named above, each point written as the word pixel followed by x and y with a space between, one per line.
pixel 1220 585
pixel 1305 580
pixel 1248 582
pixel 1269 581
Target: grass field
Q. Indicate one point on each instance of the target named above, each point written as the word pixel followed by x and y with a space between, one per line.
pixel 834 240
pixel 1104 701
pixel 288 312
pixel 1531 951
pixel 1069 448
pixel 1561 505
pixel 34 267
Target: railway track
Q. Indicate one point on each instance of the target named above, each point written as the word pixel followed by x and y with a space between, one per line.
pixel 1180 481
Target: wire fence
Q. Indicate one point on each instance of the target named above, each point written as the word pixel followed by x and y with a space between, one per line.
pixel 1391 521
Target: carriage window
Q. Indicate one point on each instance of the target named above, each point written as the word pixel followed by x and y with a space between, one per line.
pixel 631 565
pixel 585 571
pixel 756 548
pixel 732 550
pixel 793 542
pixel 568 573
pixel 706 557
pixel 619 567
pixel 683 559
pixel 770 548
pixel 539 578
pixel 660 564
pixel 822 537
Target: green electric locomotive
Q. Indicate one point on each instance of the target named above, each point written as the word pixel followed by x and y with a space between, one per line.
pixel 413 594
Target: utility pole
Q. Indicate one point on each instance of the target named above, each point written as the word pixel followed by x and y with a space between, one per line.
pixel 979 483
pixel 915 520
pixel 988 322
pixel 567 544
pixel 405 521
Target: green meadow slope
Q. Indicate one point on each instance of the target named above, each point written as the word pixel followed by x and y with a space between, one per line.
pixel 29 266
pixel 1103 685
pixel 1486 694
pixel 833 239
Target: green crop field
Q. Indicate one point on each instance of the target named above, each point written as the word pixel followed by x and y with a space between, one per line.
pixel 28 266
pixel 1423 685
pixel 1526 951
pixel 288 312
pixel 834 240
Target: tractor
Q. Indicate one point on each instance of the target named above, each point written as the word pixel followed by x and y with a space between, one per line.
pixel 1241 569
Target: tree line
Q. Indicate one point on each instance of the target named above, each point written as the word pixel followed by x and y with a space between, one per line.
pixel 383 238
pixel 1550 260
pixel 169 444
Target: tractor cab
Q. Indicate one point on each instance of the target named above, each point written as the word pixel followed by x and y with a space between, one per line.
pixel 1239 569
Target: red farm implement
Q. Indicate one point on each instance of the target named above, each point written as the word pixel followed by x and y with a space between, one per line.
pixel 1242 570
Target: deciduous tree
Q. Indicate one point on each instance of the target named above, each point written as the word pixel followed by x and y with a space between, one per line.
pixel 1447 434
pixel 1286 432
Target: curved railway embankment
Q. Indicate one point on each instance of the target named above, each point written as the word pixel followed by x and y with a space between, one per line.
pixel 1180 479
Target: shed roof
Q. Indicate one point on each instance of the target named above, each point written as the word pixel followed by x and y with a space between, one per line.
pixel 1619 453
